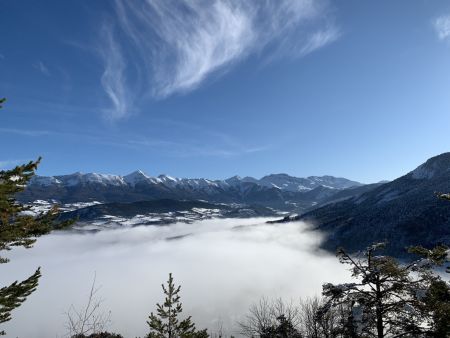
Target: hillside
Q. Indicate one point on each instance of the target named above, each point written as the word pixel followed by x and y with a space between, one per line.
pixel 403 212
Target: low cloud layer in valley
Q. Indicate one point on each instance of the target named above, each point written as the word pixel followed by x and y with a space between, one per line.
pixel 222 265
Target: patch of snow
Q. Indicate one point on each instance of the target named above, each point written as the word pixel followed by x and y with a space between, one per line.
pixel 105 179
pixel 138 176
pixel 44 180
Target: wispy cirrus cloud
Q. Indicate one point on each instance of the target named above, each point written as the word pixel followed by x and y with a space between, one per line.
pixel 195 149
pixel 163 47
pixel 220 145
pixel 25 132
pixel 442 27
pixel 113 78
pixel 42 68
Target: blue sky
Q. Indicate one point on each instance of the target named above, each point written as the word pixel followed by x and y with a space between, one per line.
pixel 359 89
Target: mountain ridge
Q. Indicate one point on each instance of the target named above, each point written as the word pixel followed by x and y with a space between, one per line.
pixel 404 212
pixel 136 176
pixel 279 191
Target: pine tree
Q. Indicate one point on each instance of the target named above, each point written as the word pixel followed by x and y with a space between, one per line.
pixel 436 300
pixel 165 323
pixel 389 299
pixel 282 329
pixel 19 230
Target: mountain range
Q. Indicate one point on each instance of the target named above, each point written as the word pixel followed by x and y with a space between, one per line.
pixel 403 212
pixel 279 191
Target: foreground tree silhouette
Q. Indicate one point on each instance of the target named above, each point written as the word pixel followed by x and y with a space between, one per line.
pixel 165 323
pixel 282 329
pixel 18 229
pixel 389 299
pixel 270 318
pixel 89 320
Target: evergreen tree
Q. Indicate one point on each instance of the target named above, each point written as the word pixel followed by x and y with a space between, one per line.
pixel 436 300
pixel 283 329
pixel 165 323
pixel 99 335
pixel 18 229
pixel 389 299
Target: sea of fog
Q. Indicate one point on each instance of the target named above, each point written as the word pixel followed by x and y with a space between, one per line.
pixel 223 265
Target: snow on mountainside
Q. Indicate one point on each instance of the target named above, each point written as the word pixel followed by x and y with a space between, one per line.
pixel 290 183
pixel 279 181
pixel 45 181
pixel 136 177
pixel 279 191
pixel 159 212
pixel 81 179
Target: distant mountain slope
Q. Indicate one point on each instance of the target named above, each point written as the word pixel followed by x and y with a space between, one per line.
pixel 289 183
pixel 163 211
pixel 279 190
pixel 404 212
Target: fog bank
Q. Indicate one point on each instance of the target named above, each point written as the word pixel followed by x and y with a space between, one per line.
pixel 222 265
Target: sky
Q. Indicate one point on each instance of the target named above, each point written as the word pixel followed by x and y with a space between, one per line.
pixel 357 89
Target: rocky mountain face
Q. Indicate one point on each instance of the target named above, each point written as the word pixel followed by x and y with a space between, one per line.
pixel 403 212
pixel 279 191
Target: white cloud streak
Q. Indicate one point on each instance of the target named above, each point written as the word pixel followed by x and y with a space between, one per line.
pixel 442 27
pixel 42 68
pixel 25 132
pixel 319 39
pixel 113 78
pixel 227 147
pixel 174 46
pixel 196 149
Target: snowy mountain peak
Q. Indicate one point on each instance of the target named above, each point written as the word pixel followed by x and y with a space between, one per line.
pixel 80 178
pixel 235 180
pixel 44 180
pixel 167 178
pixel 141 173
pixel 282 182
pixel 136 177
pixel 291 183
pixel 168 181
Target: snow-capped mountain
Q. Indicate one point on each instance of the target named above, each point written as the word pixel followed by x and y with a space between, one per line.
pixel 279 181
pixel 290 183
pixel 136 177
pixel 278 190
